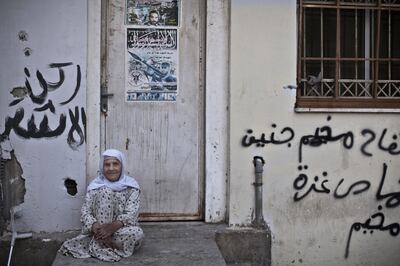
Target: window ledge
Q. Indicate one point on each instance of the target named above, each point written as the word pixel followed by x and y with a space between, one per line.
pixel 346 110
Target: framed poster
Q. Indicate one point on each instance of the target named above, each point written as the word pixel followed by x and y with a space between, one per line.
pixel 151 64
pixel 152 13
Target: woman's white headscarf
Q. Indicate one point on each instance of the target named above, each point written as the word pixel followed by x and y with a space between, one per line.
pixel 123 182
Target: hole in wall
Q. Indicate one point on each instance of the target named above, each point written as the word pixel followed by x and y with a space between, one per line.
pixel 27 51
pixel 71 186
pixel 23 36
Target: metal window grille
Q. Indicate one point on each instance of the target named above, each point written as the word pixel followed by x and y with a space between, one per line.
pixel 349 54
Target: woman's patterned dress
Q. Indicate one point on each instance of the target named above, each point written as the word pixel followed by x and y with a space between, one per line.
pixel 104 205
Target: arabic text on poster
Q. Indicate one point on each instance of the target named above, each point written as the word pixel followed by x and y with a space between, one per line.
pixel 151 64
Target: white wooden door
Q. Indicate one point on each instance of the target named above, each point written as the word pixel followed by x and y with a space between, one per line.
pixel 162 140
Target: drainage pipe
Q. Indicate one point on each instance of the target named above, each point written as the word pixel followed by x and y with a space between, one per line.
pixel 258 221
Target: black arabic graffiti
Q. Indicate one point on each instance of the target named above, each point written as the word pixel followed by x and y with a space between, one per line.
pixel 305 184
pixel 394 197
pixel 78 84
pixel 393 228
pixel 392 200
pixel 390 148
pixel 76 135
pixel 49 105
pixel 31 130
pixel 287 134
pixel 324 135
pixel 302 180
pixel 74 117
pixel 44 131
pixel 55 85
pixel 363 184
pixel 48 86
pixel 367 142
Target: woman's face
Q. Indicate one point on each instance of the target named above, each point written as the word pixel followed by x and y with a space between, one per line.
pixel 112 169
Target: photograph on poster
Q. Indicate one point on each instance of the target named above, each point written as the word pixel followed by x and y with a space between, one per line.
pixel 152 13
pixel 151 64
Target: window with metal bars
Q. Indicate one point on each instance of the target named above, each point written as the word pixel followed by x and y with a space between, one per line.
pixel 348 54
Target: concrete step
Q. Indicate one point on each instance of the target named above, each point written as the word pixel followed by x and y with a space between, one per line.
pixel 172 243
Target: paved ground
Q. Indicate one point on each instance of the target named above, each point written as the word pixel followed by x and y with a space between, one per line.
pixel 175 243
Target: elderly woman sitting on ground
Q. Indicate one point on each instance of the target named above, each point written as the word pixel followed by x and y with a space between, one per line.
pixel 109 214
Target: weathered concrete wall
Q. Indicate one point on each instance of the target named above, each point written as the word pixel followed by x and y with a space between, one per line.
pixel 42 105
pixel 313 203
pixel 217 101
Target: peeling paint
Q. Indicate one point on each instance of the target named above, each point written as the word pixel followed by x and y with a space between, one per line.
pixel 5 148
pixel 12 184
pixel 19 92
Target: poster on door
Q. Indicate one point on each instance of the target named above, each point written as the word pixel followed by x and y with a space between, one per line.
pixel 151 64
pixel 153 13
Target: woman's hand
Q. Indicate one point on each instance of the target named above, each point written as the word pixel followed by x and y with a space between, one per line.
pixel 95 228
pixel 104 231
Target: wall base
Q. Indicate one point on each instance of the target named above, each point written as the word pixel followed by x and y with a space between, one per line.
pixel 247 246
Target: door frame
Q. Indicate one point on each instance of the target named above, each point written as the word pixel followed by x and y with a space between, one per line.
pixel 216 106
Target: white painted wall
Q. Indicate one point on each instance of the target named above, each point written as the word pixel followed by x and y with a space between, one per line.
pixel 315 229
pixel 56 33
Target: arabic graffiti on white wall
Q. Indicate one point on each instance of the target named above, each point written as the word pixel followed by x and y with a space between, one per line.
pixel 373 141
pixel 77 116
